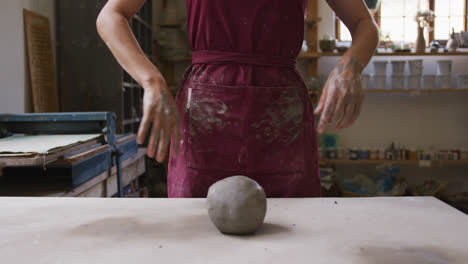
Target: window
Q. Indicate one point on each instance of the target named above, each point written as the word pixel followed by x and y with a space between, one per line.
pixel 449 14
pixel 396 19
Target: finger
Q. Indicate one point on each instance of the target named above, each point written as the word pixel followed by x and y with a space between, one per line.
pixel 327 114
pixel 356 112
pixel 340 109
pixel 154 139
pixel 164 140
pixel 143 128
pixel 348 113
pixel 322 100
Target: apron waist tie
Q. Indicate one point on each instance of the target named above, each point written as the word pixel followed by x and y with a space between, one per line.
pixel 211 57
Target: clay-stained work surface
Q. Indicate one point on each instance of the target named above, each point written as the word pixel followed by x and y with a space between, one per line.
pixel 352 231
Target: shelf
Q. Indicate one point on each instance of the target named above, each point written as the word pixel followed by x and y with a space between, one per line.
pixel 309 55
pixel 421 163
pixel 139 19
pixel 419 91
pixel 313 21
pixel 131 85
pixel 170 25
pixel 131 121
pixel 328 54
pixel 406 91
pixel 315 92
pixel 179 59
pixel 315 55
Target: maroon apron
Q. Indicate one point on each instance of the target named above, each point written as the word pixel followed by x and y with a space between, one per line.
pixel 244 107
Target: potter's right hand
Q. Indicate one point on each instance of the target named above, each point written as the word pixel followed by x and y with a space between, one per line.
pixel 342 96
pixel 160 111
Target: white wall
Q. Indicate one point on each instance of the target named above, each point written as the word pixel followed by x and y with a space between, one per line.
pixel 15 94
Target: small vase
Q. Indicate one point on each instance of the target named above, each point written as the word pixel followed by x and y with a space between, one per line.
pixel 420 41
pixel 452 43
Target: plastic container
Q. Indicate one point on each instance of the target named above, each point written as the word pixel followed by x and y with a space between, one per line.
pixel 464 154
pixel 404 154
pixel 365 81
pixel 462 81
pixel 413 154
pixel 428 82
pixel 444 81
pixel 413 82
pixel 444 67
pixel 443 155
pixel 380 67
pixel 332 153
pixel 353 154
pixel 398 82
pixel 363 154
pixel 415 67
pixel 398 67
pixel 382 154
pixel 380 81
pixel 342 153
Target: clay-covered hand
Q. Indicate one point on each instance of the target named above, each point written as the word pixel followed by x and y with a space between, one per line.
pixel 160 111
pixel 342 96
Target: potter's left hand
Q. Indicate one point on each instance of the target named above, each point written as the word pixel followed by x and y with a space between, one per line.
pixel 342 96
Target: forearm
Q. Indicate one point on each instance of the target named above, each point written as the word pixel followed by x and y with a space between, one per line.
pixel 365 40
pixel 114 29
pixel 342 96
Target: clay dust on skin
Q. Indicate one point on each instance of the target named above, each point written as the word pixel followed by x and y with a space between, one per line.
pixel 162 108
pixel 343 96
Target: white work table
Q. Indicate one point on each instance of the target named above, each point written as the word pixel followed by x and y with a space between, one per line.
pixel 322 230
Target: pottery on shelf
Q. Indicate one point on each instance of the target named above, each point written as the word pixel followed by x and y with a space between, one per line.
pixel 420 46
pixel 327 45
pixel 434 46
pixel 452 43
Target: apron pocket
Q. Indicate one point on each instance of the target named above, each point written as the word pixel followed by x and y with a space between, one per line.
pixel 276 130
pixel 214 127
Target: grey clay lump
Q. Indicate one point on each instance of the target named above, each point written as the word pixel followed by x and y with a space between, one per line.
pixel 237 205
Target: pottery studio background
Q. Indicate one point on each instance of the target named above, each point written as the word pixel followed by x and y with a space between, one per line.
pixel 409 140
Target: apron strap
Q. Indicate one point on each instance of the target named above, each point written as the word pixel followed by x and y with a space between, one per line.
pixel 211 57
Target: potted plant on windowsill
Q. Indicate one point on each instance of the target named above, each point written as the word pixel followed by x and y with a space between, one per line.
pixel 386 44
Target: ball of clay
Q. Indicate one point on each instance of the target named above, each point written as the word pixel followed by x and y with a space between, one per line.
pixel 237 205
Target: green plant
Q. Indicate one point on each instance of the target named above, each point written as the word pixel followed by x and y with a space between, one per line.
pixel 386 41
